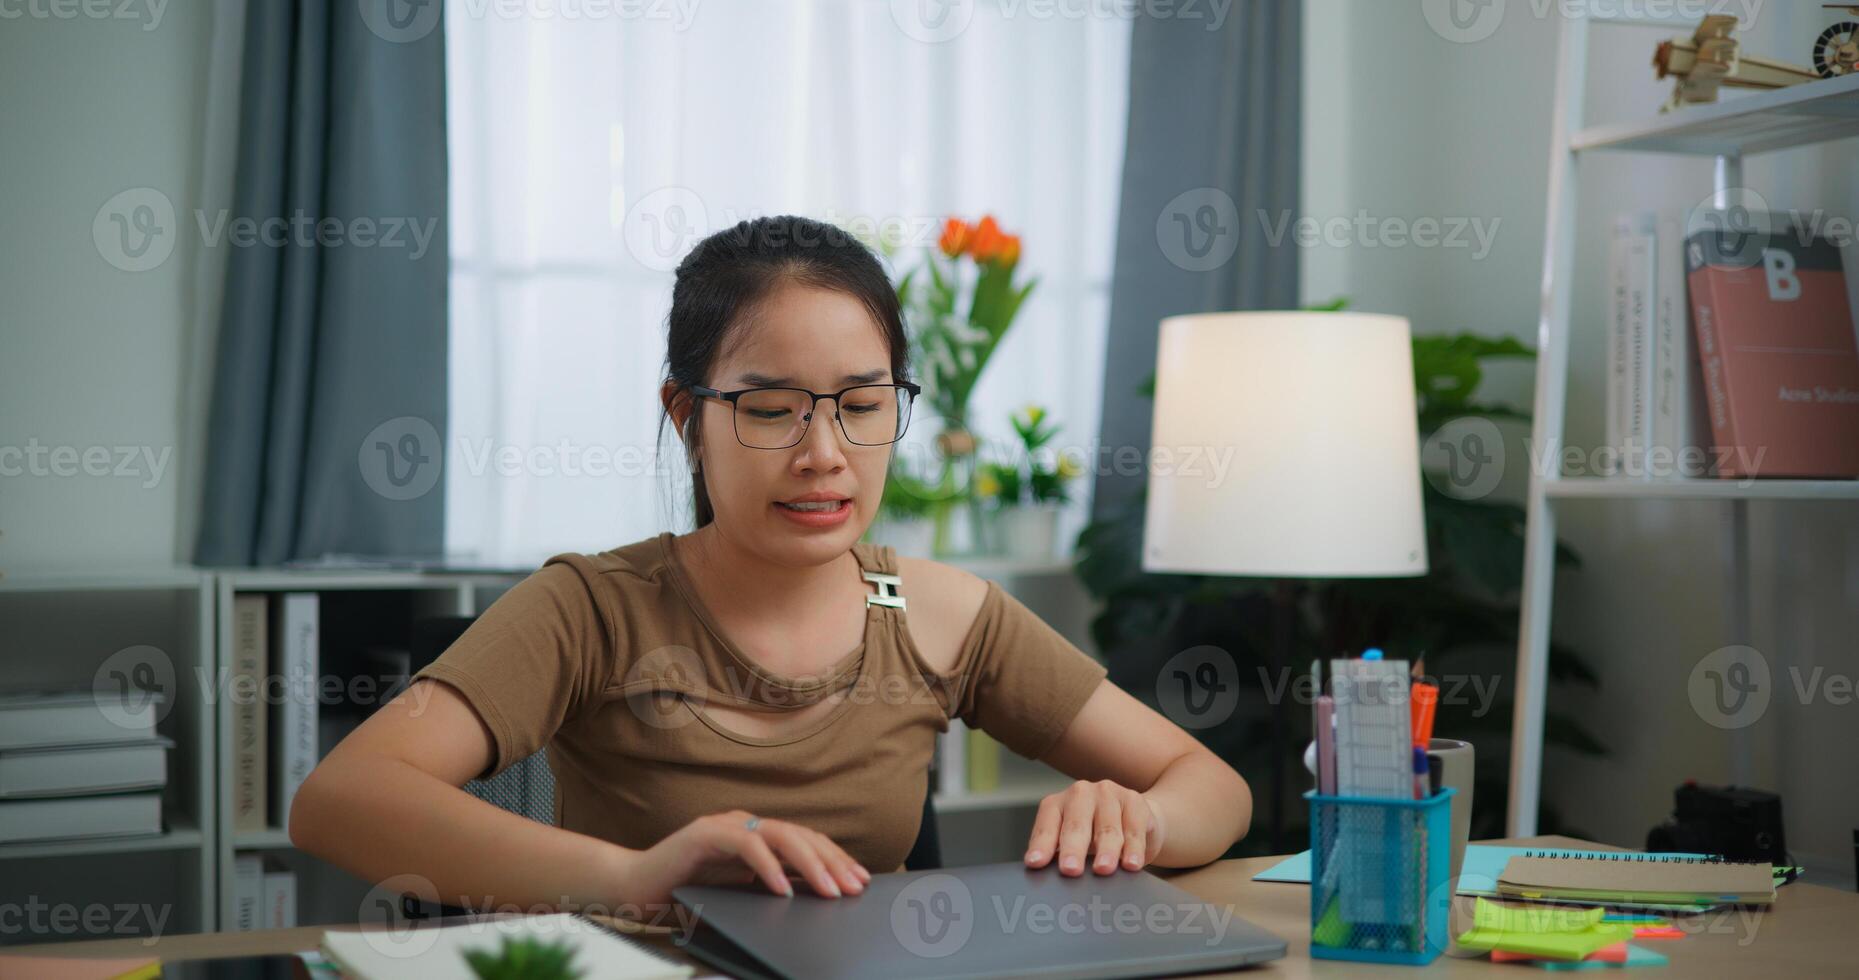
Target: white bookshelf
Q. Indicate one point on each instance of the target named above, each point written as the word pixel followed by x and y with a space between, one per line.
pixel 325 894
pixel 1728 131
pixel 62 628
pixel 188 613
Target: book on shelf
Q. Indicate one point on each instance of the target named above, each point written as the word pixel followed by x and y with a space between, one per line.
pixel 250 637
pixel 84 770
pixel 1775 328
pixel 74 716
pixel 294 728
pixel 1630 346
pixel 278 899
pixel 1681 424
pixel 63 818
pixel 248 891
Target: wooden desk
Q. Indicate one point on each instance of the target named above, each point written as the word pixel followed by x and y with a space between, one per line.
pixel 1809 932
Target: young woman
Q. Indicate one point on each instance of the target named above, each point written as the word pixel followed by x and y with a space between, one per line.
pixel 761 695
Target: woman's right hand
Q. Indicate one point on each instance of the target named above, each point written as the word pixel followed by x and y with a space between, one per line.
pixel 722 849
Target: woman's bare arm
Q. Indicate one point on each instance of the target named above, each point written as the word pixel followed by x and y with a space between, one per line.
pixel 387 801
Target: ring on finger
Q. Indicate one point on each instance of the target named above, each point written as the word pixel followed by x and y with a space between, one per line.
pixel 752 822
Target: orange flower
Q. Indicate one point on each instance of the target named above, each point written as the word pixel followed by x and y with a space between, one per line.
pixel 987 241
pixel 954 237
pixel 1009 250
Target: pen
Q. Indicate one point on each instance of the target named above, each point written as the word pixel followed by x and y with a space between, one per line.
pixel 1424 701
pixel 1326 745
pixel 1420 773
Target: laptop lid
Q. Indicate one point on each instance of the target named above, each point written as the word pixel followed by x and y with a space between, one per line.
pixel 989 920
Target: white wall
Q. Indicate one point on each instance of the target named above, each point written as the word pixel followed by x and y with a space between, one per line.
pixel 1403 122
pixel 91 355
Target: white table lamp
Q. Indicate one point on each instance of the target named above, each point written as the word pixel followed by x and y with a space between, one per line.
pixel 1314 413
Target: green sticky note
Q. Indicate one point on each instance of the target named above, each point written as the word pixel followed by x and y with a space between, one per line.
pixel 1534 918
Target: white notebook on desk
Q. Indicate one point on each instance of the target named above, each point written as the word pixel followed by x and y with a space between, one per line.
pixel 439 953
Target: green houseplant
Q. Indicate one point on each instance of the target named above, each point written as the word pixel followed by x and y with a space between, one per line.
pixel 1027 489
pixel 960 301
pixel 1461 617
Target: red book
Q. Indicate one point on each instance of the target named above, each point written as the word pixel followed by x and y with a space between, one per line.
pixel 1777 341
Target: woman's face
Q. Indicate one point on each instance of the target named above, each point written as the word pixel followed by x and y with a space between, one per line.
pixel 802 337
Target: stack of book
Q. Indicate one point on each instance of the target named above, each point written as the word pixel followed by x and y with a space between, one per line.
pixel 74 768
pixel 1731 348
pixel 274 696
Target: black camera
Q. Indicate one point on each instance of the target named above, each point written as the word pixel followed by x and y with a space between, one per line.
pixel 1740 824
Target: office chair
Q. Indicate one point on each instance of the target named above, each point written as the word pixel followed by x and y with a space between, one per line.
pixel 527 787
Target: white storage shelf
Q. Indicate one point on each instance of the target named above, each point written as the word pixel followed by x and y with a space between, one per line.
pixel 61 629
pixel 200 826
pixel 1739 126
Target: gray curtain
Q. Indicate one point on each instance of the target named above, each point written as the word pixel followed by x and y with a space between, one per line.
pixel 1210 170
pixel 329 389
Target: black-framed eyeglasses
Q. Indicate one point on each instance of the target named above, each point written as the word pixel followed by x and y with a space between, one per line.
pixel 777 418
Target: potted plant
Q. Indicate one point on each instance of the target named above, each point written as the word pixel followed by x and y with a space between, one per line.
pixel 1028 490
pixel 960 301
pixel 906 515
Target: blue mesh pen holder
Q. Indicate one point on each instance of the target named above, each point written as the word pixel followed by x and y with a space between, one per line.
pixel 1379 877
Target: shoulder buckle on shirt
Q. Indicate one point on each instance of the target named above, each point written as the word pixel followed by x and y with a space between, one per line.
pixel 887 590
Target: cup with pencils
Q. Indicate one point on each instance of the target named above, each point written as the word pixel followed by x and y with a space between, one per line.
pixel 1380 829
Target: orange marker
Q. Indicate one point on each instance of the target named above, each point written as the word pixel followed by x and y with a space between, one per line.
pixel 1425 699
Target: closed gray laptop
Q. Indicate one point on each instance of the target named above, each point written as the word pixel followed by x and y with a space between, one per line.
pixel 992 920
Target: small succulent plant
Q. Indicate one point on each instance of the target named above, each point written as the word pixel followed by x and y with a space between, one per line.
pixel 525 958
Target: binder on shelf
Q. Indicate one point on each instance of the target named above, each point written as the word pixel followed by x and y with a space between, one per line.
pixel 249 717
pixel 248 892
pixel 294 731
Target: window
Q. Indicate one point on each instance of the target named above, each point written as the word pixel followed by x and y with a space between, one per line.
pixel 576 140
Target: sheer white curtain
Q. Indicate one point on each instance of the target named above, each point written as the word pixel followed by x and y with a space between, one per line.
pixel 588 153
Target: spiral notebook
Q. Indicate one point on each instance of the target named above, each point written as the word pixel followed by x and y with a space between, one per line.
pixel 1637 878
pixel 437 953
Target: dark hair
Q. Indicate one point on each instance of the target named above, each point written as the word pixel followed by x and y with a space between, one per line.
pixel 728 273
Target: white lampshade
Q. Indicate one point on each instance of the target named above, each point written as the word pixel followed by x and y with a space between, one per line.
pixel 1315 414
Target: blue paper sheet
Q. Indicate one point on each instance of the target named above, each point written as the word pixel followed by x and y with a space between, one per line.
pixel 1636 956
pixel 1478 876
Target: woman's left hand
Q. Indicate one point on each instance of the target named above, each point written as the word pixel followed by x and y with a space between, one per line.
pixel 1108 824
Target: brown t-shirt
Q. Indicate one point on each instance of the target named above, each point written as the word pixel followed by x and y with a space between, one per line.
pixel 610 659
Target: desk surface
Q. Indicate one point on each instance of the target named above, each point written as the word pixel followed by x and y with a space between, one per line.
pixel 1808 932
